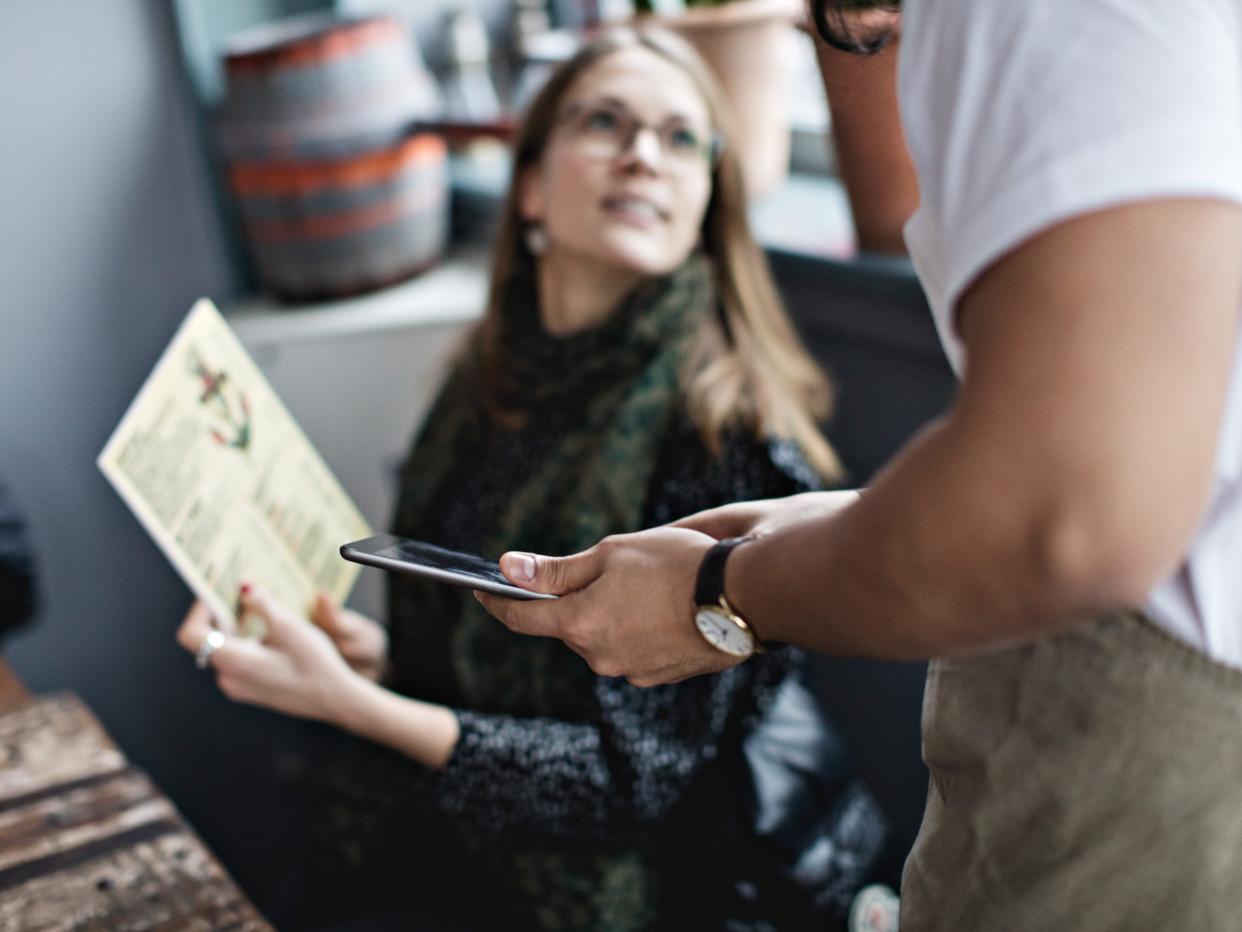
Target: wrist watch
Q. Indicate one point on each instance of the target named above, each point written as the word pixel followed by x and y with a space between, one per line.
pixel 720 626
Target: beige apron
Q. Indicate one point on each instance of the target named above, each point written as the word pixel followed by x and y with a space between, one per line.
pixel 1091 780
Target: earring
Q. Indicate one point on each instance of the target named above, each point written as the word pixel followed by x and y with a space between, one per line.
pixel 536 239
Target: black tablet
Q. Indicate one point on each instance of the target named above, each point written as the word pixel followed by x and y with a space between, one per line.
pixel 402 555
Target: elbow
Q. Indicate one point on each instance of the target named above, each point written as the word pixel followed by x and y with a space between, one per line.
pixel 1086 562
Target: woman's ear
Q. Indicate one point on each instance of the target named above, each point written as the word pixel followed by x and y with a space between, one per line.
pixel 530 194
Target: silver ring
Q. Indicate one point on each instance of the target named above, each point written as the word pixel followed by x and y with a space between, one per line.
pixel 212 643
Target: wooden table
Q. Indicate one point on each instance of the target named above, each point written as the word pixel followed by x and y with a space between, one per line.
pixel 12 692
pixel 87 842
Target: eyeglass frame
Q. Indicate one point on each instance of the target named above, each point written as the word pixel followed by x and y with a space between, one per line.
pixel 709 152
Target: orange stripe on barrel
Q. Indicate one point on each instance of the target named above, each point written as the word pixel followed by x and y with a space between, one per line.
pixel 344 223
pixel 276 178
pixel 313 50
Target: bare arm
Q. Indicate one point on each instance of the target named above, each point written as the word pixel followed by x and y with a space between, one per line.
pixel 423 731
pixel 872 158
pixel 1069 475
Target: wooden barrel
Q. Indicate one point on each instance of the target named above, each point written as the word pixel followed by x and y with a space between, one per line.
pixel 331 228
pixel 321 86
pixel 337 193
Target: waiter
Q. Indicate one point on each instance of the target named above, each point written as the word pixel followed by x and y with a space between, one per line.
pixel 1066 543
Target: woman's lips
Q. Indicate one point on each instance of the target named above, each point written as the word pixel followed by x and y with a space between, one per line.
pixel 636 211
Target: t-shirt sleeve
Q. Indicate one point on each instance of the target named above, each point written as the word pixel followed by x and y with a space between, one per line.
pixel 1022 115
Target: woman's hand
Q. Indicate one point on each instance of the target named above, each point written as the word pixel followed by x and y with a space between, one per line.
pixel 322 671
pixel 360 640
pixel 296 669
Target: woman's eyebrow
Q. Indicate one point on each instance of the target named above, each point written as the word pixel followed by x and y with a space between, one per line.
pixel 620 104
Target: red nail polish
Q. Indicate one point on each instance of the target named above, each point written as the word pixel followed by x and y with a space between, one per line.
pixel 245 588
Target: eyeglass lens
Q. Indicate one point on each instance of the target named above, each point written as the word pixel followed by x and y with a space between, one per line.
pixel 607 130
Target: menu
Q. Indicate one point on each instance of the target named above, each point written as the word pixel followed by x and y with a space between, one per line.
pixel 216 469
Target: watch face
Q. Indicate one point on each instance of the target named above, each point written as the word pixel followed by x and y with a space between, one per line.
pixel 720 632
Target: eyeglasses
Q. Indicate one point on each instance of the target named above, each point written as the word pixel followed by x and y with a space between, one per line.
pixel 605 130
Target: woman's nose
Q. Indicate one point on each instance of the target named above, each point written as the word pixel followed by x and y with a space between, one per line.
pixel 645 149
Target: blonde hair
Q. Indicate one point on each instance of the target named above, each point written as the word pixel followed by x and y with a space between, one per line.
pixel 747 367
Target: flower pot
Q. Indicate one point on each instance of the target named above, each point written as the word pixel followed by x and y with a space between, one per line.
pixel 743 42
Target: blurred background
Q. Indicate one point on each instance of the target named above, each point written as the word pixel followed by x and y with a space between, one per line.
pixel 154 152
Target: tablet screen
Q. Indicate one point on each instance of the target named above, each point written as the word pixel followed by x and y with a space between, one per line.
pixel 413 551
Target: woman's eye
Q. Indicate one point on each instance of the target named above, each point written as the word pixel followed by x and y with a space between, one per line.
pixel 601 121
pixel 682 139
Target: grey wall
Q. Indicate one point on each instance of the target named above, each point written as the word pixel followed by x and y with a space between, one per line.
pixel 107 236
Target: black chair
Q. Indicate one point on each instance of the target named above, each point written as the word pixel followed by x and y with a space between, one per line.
pixel 867 322
pixel 18 593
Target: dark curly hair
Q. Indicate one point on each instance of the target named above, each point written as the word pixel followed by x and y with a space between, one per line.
pixel 859 26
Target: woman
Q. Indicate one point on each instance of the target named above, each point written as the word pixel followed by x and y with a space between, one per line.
pixel 634 365
pixel 1064 542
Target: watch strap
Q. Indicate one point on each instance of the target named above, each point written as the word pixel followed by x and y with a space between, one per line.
pixel 709 586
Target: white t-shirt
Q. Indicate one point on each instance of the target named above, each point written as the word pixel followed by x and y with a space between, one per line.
pixel 1023 113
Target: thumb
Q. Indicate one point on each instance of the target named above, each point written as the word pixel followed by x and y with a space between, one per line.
pixel 278 620
pixel 325 614
pixel 557 575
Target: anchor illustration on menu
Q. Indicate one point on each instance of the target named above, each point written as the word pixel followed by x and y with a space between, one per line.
pixel 225 403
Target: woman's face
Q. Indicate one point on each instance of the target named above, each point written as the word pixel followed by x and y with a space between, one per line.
pixel 626 175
